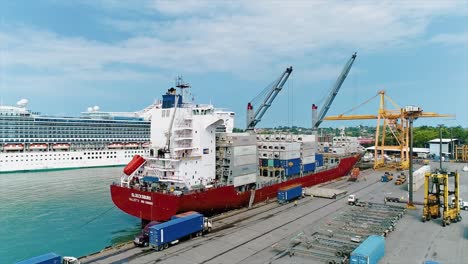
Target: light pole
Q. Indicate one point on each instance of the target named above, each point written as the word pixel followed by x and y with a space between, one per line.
pixel 411 113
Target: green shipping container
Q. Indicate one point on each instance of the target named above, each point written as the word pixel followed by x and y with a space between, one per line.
pixel 271 163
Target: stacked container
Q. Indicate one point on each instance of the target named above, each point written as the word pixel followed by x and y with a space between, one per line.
pixel 319 159
pixel 369 252
pixel 236 158
pixel 278 155
pixel 308 150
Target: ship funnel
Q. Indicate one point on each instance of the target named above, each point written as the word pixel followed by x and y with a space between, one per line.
pixel 22 103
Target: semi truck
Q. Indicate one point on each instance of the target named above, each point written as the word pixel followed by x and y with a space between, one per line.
pixel 179 227
pixel 289 193
pixel 50 258
pixel 142 239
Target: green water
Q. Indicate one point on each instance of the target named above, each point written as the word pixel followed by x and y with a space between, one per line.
pixel 67 212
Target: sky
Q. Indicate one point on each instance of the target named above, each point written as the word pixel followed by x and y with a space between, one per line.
pixel 64 56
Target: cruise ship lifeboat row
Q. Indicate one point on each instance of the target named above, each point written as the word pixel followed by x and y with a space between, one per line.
pixel 131 145
pixel 37 146
pixel 61 146
pixel 115 145
pixel 13 147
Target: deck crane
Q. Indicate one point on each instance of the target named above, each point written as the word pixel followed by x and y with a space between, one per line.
pixel 272 91
pixel 317 120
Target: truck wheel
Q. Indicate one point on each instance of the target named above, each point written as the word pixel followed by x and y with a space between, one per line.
pixel 199 233
pixel 209 229
pixel 160 248
pixel 165 246
pixel 465 208
pixel 145 244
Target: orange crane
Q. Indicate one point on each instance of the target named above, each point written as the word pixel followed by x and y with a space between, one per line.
pixel 397 121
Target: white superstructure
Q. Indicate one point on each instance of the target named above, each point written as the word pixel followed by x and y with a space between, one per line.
pixel 183 141
pixel 30 141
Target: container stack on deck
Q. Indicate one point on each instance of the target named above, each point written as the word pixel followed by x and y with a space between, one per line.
pixel 236 158
pixel 286 155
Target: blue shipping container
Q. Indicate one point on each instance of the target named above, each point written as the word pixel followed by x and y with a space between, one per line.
pixel 290 163
pixel 430 262
pixel 175 229
pixel 319 159
pixel 369 252
pixel 264 162
pixel 289 171
pixel 276 162
pixel 289 193
pixel 49 258
pixel 309 167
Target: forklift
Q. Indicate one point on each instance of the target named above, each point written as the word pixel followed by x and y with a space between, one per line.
pixel 436 188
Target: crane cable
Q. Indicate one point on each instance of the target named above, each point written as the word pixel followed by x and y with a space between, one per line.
pixel 363 103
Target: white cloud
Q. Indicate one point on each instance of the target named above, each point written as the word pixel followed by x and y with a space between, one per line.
pixel 236 37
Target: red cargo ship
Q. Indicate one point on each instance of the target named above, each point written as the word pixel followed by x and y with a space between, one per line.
pixel 196 163
pixel 158 206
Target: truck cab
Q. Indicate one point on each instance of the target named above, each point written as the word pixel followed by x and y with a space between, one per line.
pixel 142 239
pixel 352 200
pixel 207 225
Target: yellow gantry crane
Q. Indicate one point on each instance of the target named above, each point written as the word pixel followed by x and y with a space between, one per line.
pixel 397 121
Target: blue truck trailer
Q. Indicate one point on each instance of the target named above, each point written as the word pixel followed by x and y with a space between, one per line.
pixel 182 226
pixel 50 258
pixel 289 193
pixel 369 252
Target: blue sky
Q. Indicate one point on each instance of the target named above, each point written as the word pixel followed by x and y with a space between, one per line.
pixel 65 56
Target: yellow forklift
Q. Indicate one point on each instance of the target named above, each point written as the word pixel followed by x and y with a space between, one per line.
pixel 436 188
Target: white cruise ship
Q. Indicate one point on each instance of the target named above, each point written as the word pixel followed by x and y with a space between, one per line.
pixel 30 141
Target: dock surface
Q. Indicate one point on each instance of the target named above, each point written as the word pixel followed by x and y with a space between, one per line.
pixel 247 236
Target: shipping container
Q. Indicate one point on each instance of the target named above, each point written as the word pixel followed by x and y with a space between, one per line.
pixel 287 155
pixel 308 152
pixel 309 159
pixel 290 163
pixel 244 150
pixel 369 252
pixel 49 258
pixel 163 234
pixel 290 171
pixel 319 160
pixel 271 163
pixel 418 177
pixel 288 193
pixel 245 160
pixel 244 169
pixel 240 139
pixel 245 179
pixel 309 167
pixel 290 146
pixel 308 145
pixel 264 162
pixel 183 214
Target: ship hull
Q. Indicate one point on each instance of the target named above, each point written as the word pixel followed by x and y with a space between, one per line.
pixel 156 206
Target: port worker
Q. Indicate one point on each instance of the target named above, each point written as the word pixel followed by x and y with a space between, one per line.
pixel 295 203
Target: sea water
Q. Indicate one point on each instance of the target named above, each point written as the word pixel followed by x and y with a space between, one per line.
pixel 69 212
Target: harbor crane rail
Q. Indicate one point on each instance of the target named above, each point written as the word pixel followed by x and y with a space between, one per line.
pixel 397 121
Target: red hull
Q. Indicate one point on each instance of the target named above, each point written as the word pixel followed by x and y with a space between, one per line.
pixel 160 207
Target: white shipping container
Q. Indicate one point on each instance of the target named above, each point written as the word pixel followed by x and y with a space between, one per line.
pixel 244 150
pixel 308 152
pixel 287 155
pixel 418 177
pixel 245 179
pixel 241 140
pixel 245 160
pixel 308 160
pixel 244 169
pixel 308 145
pixel 290 146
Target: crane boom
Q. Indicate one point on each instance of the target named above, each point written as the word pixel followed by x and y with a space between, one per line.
pixel 336 87
pixel 254 119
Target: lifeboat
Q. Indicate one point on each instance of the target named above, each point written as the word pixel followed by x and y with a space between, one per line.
pixel 61 146
pixel 38 146
pixel 13 147
pixel 115 145
pixel 131 145
pixel 134 164
pixel 146 145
